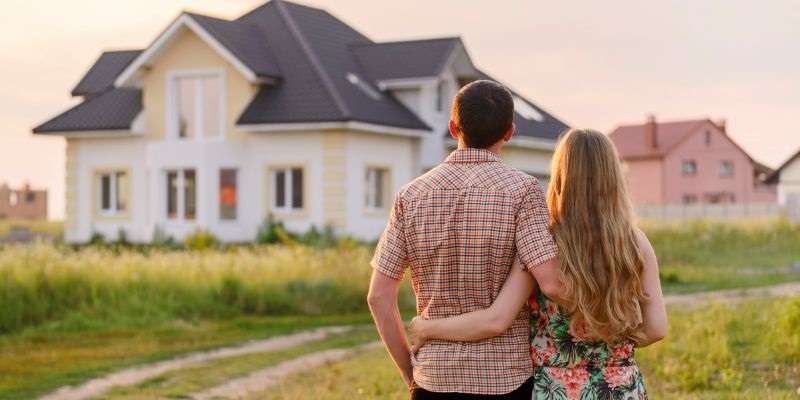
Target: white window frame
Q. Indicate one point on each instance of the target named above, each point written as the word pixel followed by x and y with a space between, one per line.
pixel 173 129
pixel 112 196
pixel 370 193
pixel 288 171
pixel 180 195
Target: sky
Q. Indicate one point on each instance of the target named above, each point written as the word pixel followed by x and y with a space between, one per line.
pixel 592 64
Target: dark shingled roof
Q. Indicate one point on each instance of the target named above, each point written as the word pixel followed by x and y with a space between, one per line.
pixel 315 59
pixel 114 109
pixel 410 59
pixel 245 41
pixel 105 70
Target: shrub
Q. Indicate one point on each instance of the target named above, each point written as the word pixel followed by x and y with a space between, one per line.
pixel 201 240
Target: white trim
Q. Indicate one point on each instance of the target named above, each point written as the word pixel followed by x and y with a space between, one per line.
pixel 101 134
pixel 127 76
pixel 288 185
pixel 407 83
pixel 318 126
pixel 180 188
pixel 172 103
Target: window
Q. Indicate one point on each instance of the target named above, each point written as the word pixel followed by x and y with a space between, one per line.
pixel 181 194
pixel 725 169
pixel 13 199
pixel 113 192
pixel 689 198
pixel 689 168
pixel 441 93
pixel 227 194
pixel 197 111
pixel 287 185
pixel 30 197
pixel 708 138
pixel 377 188
pixel 527 111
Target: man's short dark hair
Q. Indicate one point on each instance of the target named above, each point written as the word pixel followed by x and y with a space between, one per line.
pixel 483 112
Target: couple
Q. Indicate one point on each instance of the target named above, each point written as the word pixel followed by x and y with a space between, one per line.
pixel 518 296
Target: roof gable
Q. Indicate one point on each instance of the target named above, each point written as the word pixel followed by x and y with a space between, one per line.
pixel 240 44
pixel 631 140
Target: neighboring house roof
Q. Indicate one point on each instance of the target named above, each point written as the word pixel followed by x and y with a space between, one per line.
pixel 632 141
pixel 111 110
pixel 408 59
pixel 105 70
pixel 775 175
pixel 323 70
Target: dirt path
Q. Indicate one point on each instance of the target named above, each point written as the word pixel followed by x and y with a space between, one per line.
pixel 259 381
pixel 783 290
pixel 136 375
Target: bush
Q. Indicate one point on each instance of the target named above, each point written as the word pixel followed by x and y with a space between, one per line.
pixel 201 240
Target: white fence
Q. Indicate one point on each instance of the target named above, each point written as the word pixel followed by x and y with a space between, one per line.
pixel 716 211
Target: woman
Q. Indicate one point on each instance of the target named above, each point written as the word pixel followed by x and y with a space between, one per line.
pixel 610 295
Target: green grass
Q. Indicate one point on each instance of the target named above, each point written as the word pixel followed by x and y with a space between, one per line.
pixel 182 383
pixel 701 256
pixel 748 350
pixel 41 359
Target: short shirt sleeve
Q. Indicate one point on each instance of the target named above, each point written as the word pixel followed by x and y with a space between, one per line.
pixel 391 255
pixel 535 244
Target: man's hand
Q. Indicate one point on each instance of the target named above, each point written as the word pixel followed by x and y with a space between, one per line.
pixel 382 299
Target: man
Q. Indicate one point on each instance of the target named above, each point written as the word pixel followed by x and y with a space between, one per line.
pixel 459 228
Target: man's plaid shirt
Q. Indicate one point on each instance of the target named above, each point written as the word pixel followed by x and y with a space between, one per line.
pixel 458 228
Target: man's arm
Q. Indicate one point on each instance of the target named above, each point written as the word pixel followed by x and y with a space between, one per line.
pixel 382 299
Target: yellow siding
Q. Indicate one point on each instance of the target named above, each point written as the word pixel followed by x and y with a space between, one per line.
pixel 189 52
pixel 71 186
pixel 334 208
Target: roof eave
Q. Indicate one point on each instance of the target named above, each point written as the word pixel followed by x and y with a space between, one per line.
pixel 333 125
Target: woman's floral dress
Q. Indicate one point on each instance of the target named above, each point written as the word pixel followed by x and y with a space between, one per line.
pixel 568 368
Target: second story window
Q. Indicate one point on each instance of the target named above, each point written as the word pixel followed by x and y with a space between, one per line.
pixel 689 168
pixel 441 95
pixel 196 110
pixel 725 169
pixel 377 188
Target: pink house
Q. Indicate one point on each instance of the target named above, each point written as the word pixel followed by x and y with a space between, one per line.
pixel 687 162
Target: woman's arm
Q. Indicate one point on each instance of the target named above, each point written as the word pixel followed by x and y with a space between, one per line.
pixel 654 312
pixel 481 324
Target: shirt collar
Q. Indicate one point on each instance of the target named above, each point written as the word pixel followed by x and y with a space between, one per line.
pixel 472 155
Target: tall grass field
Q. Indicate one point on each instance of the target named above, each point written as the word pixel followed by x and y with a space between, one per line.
pixel 68 313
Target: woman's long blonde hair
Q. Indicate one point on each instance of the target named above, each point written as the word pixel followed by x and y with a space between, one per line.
pixel 592 222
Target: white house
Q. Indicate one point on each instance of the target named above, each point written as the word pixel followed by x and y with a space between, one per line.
pixel 286 111
pixel 787 176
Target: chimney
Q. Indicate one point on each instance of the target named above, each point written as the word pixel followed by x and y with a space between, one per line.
pixel 651 131
pixel 723 126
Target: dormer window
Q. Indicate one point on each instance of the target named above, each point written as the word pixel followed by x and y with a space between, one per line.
pixel 526 110
pixel 196 109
